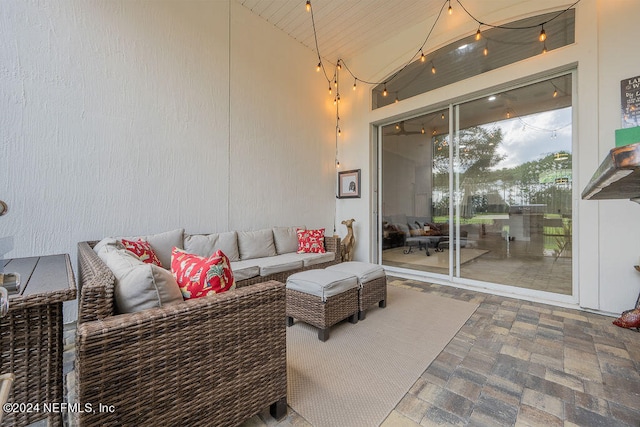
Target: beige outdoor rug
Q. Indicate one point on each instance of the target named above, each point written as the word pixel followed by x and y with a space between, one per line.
pixel 362 371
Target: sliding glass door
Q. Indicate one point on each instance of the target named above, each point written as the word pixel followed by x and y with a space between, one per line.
pixel 482 191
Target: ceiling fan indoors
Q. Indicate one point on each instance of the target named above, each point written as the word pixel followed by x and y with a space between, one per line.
pixel 399 130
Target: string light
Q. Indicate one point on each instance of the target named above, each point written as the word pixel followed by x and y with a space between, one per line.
pixel 555 93
pixel 396 100
pixel 442 116
pixel 508 115
pixel 397 126
pixel 478 36
pixel 422 130
pixel 543 36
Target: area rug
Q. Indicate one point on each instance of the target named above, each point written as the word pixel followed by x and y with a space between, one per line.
pixel 362 371
pixel 396 256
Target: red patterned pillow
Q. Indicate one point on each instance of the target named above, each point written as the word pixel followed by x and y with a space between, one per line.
pixel 311 241
pixel 200 276
pixel 143 250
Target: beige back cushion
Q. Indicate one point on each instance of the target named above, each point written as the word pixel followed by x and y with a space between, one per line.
pixel 205 245
pixel 139 286
pixel 256 244
pixel 286 239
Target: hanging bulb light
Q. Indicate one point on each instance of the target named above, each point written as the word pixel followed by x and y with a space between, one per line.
pixel 396 100
pixel 544 48
pixel 422 57
pixel 339 132
pixel 555 93
pixel 335 82
pixel 486 49
pixel 338 98
pixel 384 91
pixel 442 116
pixel 335 101
pixel 354 84
pixel 543 36
pixel 339 65
pixel 422 130
pixel 308 6
pixel 450 10
pixel 478 34
pixel 319 66
pixel 508 115
pixel 397 126
pixel 434 132
pixel 337 163
pixel 329 89
pixel 433 68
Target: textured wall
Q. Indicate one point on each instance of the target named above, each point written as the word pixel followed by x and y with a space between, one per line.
pixel 121 117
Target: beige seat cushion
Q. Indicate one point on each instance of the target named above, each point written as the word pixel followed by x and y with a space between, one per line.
pixel 364 271
pixel 278 264
pixel 322 283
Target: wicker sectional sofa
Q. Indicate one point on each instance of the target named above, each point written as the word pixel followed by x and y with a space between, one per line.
pixel 216 360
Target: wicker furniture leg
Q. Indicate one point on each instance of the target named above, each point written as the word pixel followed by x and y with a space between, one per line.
pixel 278 410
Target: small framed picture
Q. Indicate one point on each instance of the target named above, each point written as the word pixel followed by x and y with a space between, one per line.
pixel 349 184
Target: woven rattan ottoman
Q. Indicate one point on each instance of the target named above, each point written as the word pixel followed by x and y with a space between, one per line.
pixel 322 298
pixel 372 283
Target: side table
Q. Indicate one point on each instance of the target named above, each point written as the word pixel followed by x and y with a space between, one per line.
pixel 31 334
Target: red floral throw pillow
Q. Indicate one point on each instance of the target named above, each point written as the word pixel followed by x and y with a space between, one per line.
pixel 311 241
pixel 143 251
pixel 200 276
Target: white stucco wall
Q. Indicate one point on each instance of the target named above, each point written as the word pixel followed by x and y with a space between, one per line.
pixel 607 239
pixel 127 117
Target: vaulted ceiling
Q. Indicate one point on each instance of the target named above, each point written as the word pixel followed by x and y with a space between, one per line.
pixel 348 27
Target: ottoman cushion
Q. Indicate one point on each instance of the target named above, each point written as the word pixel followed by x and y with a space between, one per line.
pixel 365 271
pixel 322 283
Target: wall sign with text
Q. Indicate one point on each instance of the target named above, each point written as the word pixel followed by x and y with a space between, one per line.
pixel 630 98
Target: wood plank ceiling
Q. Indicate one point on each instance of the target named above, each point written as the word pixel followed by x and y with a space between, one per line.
pixel 344 27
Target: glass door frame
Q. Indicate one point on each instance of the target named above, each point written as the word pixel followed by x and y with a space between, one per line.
pixel 452 278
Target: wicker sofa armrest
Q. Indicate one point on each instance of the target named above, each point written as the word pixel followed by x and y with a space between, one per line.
pixel 210 361
pixel 332 244
pixel 96 284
